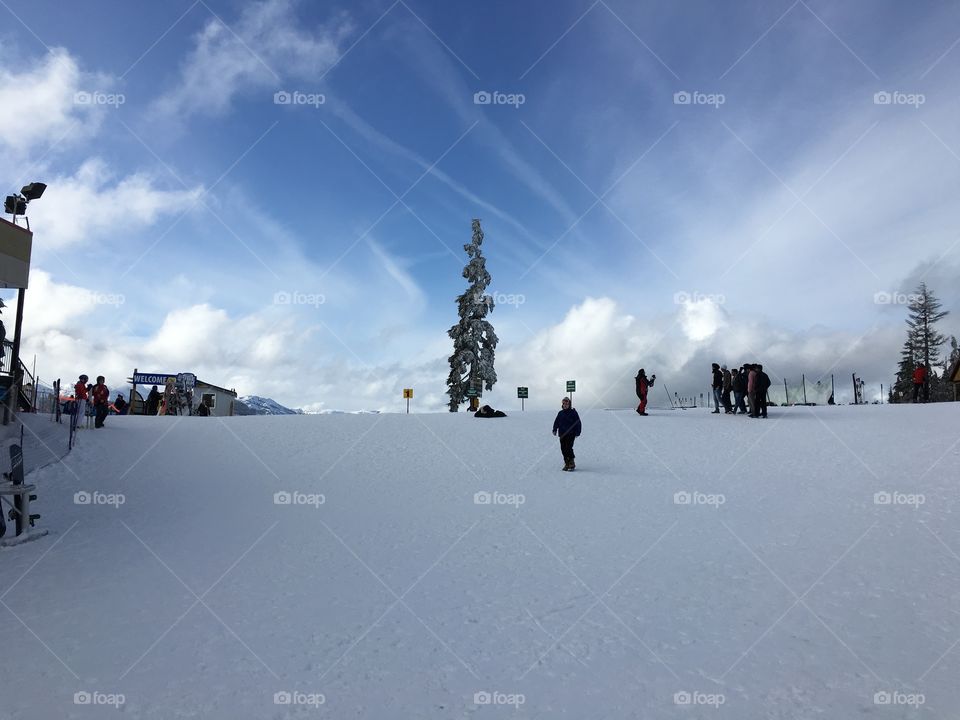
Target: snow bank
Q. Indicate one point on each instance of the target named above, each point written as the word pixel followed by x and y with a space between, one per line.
pixel 438 566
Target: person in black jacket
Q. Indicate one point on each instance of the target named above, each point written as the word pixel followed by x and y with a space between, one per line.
pixel 567 427
pixel 717 387
pixel 153 401
pixel 763 384
pixel 739 383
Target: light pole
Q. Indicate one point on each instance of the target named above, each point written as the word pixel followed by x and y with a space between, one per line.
pixel 15 205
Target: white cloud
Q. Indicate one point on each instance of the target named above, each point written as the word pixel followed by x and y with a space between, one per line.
pixel 38 103
pixel 93 204
pixel 52 305
pixel 596 343
pixel 701 318
pixel 260 50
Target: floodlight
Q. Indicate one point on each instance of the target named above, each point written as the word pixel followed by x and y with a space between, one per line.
pixel 14 205
pixel 33 191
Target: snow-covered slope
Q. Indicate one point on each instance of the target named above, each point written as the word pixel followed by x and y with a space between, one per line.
pixel 442 566
pixel 263 406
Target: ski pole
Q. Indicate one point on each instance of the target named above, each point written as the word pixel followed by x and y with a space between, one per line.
pixel 668 396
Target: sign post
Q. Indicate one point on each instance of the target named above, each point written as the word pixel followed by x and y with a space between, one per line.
pixel 474 391
pixel 522 393
pixel 571 389
pixel 407 394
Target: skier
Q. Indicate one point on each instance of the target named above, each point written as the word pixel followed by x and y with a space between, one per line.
pixel 727 387
pixel 80 394
pixel 567 426
pixel 643 383
pixel 101 401
pixel 717 388
pixel 919 380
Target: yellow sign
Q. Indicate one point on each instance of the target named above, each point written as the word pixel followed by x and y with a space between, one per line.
pixel 408 393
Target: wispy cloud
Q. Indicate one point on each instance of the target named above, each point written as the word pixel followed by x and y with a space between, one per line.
pixel 256 52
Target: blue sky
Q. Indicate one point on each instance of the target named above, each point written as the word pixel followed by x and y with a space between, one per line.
pixel 624 227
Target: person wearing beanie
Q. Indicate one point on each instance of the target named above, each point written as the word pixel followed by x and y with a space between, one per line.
pixel 567 427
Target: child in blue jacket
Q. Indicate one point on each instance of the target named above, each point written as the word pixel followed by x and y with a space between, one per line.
pixel 567 426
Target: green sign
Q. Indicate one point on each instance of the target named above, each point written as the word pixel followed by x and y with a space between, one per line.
pixel 571 385
pixel 523 392
pixel 473 392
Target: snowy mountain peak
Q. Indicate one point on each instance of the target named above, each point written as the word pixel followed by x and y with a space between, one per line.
pixel 264 406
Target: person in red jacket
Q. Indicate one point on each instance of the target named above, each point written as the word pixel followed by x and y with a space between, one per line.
pixel 643 384
pixel 920 382
pixel 80 396
pixel 101 402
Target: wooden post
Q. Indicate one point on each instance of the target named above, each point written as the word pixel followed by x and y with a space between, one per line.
pixel 133 391
pixel 785 393
pixel 803 380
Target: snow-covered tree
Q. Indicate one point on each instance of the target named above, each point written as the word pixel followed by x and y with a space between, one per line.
pixel 474 341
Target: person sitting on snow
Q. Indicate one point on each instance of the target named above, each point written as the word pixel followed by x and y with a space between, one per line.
pixel 488 412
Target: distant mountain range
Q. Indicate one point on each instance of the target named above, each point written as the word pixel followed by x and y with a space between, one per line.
pixel 256 405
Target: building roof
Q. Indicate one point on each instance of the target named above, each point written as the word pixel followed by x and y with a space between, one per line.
pixel 216 387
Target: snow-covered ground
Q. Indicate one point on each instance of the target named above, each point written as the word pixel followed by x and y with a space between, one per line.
pixel 694 565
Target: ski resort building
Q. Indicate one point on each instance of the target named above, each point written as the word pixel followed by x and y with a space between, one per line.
pixel 218 400
pixel 953 376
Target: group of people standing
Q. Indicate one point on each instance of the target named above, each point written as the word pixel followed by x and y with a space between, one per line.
pixel 98 395
pixel 748 384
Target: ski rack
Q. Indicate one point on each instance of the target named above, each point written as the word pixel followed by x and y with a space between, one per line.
pixel 22 494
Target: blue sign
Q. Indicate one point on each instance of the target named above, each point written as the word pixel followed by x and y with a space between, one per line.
pixel 152 378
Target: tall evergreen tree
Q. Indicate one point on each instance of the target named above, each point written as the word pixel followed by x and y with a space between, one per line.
pixel 925 313
pixel 922 346
pixel 474 341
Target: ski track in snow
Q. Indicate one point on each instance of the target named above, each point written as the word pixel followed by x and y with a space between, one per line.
pixel 400 597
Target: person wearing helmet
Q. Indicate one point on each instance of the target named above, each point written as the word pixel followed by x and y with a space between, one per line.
pixel 101 401
pixel 80 395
